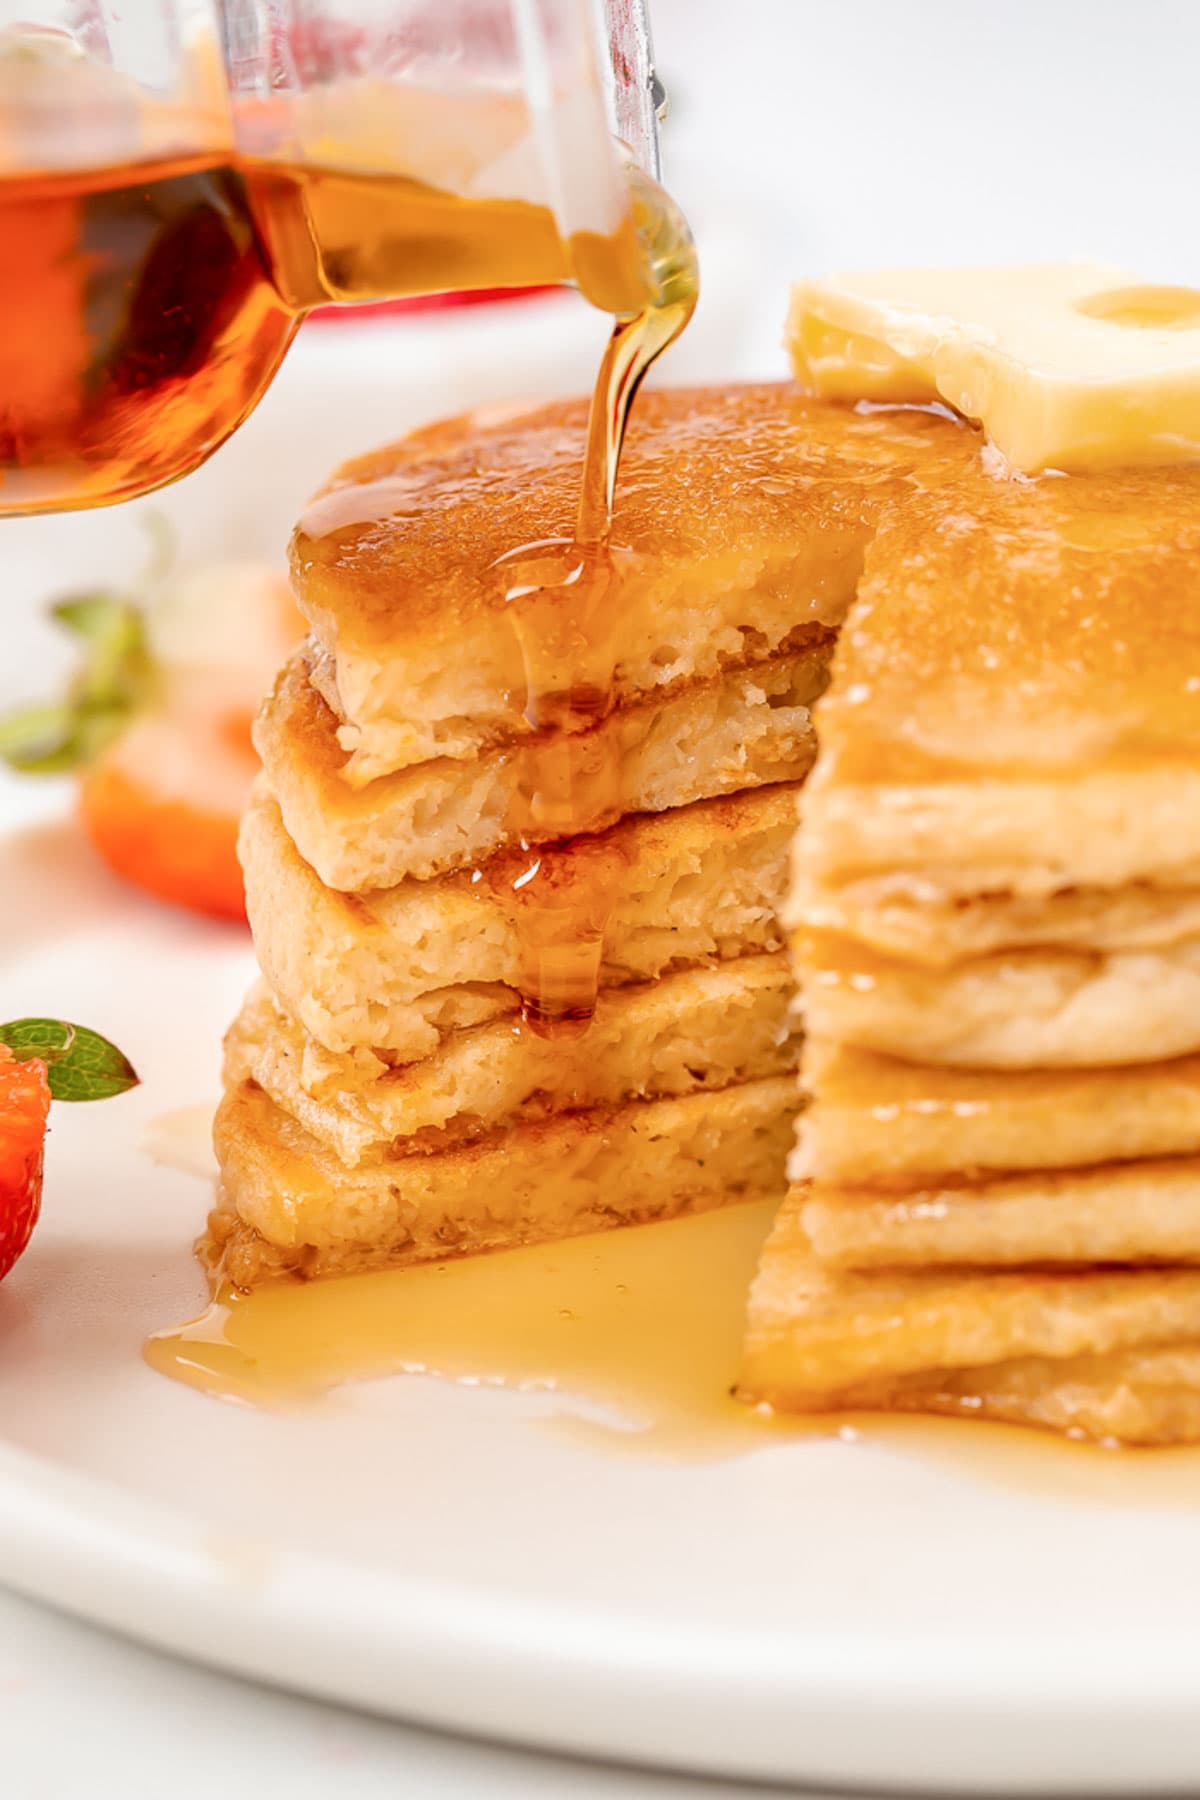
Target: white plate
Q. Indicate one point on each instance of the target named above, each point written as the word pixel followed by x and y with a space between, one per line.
pixel 827 1611
pixel 824 1611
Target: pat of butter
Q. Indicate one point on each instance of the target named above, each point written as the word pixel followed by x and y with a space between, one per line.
pixel 1065 366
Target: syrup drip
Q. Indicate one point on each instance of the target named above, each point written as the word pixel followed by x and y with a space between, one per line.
pixel 633 1339
pixel 564 599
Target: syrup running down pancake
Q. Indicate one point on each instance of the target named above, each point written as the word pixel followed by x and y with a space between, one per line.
pixel 400 968
pixel 744 729
pixel 742 517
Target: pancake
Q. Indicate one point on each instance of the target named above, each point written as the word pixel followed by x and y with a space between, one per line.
pixel 820 1339
pixel 291 1207
pixel 985 833
pixel 742 513
pixel 398 968
pixel 1012 1010
pixel 1135 1397
pixel 1128 1213
pixel 749 728
pixel 1041 728
pixel 912 919
pixel 698 1029
pixel 882 1123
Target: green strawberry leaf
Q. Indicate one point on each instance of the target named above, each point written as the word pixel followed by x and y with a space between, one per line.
pixel 114 680
pixel 80 1064
pixel 42 739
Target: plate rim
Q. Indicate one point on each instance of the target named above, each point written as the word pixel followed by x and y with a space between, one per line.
pixel 491 1666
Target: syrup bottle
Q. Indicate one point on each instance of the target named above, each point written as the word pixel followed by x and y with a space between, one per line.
pixel 173 200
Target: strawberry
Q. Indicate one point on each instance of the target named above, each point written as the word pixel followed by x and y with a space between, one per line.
pixel 157 723
pixel 24 1105
pixel 41 1059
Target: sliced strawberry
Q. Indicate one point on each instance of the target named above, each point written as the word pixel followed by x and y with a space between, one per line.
pixel 162 804
pixel 24 1105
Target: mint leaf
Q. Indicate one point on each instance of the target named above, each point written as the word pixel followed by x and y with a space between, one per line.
pixel 80 1064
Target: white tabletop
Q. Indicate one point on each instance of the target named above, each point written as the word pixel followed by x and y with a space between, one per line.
pixel 85 1714
pixel 871 132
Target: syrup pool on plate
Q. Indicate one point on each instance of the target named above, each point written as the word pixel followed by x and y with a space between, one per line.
pixel 644 1323
pixel 636 1335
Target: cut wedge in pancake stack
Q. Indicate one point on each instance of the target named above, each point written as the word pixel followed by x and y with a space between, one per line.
pixel 386 1099
pixel 995 917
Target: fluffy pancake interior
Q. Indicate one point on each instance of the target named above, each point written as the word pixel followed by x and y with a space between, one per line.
pixel 748 728
pixel 397 968
pixel 697 1029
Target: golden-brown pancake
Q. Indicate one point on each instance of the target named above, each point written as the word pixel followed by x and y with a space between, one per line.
pixel 698 1029
pixel 397 969
pixel 744 511
pixel 290 1206
pixel 879 1122
pixel 1016 702
pixel 1128 1213
pixel 1136 1397
pixel 820 1339
pixel 903 916
pixel 1016 1009
pixel 994 916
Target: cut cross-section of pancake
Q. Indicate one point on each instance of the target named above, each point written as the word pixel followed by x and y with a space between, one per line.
pixel 398 968
pixel 747 728
pixel 428 793
pixel 742 514
pixel 699 1029
pixel 291 1206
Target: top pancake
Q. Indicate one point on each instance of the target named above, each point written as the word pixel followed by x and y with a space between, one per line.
pixel 1016 698
pixel 747 511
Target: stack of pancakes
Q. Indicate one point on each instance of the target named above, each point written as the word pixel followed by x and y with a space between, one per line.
pixel 384 1102
pixel 996 925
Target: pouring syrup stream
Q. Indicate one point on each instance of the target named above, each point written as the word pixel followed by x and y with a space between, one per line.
pixel 564 599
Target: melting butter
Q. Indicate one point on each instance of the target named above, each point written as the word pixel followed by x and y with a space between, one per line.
pixel 1070 366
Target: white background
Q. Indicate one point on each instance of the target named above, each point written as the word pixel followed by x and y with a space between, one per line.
pixel 805 135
